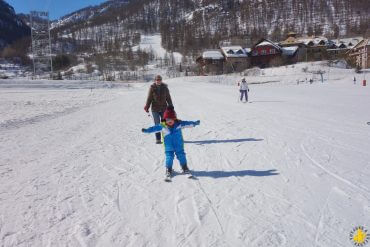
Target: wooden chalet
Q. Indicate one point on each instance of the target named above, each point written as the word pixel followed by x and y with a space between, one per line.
pixel 299 47
pixel 211 62
pixel 236 58
pixel 316 48
pixel 291 54
pixel 266 53
pixel 340 47
pixel 359 55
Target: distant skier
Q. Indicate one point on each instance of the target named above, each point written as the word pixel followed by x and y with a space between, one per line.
pixel 158 98
pixel 173 140
pixel 354 80
pixel 243 88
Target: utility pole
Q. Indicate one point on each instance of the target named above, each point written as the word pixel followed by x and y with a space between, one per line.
pixel 41 43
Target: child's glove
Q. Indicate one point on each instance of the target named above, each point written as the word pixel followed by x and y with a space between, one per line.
pixel 197 122
pixel 144 130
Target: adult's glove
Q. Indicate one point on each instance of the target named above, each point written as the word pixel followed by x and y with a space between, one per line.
pixel 146 108
pixel 197 122
pixel 248 90
pixel 144 130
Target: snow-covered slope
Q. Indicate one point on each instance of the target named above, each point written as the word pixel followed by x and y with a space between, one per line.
pixel 289 169
pixel 153 43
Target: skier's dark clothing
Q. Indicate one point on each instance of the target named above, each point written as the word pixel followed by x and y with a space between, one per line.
pixel 245 93
pixel 157 116
pixel 158 97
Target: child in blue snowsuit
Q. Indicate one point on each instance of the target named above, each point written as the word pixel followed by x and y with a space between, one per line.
pixel 172 138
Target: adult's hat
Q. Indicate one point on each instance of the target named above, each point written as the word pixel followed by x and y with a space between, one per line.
pixel 169 113
pixel 158 77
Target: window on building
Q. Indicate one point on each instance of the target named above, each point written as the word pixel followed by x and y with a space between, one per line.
pixel 272 51
pixel 263 52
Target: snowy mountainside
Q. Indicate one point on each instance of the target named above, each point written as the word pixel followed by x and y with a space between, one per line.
pixel 289 169
pixel 88 13
pixel 12 27
pixel 192 24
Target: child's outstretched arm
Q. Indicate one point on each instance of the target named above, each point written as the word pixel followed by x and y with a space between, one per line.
pixel 189 124
pixel 153 129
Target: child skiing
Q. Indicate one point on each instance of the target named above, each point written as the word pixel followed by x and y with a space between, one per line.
pixel 173 140
pixel 243 88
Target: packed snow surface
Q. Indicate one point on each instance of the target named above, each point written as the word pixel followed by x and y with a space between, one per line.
pixel 291 168
pixel 154 43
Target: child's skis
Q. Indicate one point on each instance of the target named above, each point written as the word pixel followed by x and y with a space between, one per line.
pixel 188 174
pixel 168 178
pixel 169 173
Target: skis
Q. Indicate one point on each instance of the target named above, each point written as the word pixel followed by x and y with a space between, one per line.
pixel 189 175
pixel 169 177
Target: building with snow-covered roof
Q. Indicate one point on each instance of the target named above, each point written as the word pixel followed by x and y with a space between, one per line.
pixel 346 42
pixel 340 47
pixel 266 53
pixel 211 62
pixel 236 58
pixel 289 51
pixel 310 48
pixel 291 54
pixel 213 55
pixel 359 55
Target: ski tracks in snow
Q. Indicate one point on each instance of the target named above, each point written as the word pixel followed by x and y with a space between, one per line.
pixel 334 175
pixel 97 180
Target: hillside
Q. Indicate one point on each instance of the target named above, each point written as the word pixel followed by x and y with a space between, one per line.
pixel 190 25
pixel 12 28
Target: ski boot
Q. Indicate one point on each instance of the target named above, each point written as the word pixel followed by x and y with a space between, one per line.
pixel 169 172
pixel 185 169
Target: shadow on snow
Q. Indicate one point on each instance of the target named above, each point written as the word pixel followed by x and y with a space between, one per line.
pixel 224 141
pixel 226 174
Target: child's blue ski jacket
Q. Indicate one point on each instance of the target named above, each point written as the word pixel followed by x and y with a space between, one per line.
pixel 172 136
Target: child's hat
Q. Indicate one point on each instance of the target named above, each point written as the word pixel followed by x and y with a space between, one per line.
pixel 169 113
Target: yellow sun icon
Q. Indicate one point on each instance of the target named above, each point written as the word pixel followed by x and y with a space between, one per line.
pixel 359 236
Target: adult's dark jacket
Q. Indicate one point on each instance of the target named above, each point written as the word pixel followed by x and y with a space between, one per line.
pixel 158 97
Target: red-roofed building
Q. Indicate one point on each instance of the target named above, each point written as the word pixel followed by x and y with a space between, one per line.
pixel 266 53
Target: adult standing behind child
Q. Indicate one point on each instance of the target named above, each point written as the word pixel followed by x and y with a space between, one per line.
pixel 158 98
pixel 243 88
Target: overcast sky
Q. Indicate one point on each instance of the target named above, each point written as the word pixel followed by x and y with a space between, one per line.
pixel 56 8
